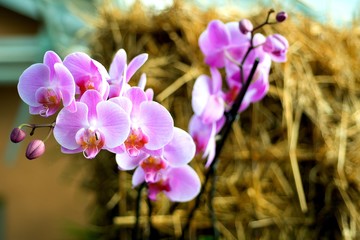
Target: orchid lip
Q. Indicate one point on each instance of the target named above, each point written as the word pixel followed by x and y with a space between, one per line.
pixel 91 141
pixel 152 167
pixel 135 141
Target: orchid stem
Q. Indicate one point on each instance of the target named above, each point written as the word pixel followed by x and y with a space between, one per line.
pixel 153 234
pixel 211 206
pixel 137 212
pixel 230 118
pixel 34 126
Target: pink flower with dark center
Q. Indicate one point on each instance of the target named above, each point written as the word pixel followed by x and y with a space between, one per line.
pixel 151 127
pixel 178 152
pixel 152 166
pixel 166 170
pixel 88 74
pixel 96 125
pixel 179 184
pixel 45 87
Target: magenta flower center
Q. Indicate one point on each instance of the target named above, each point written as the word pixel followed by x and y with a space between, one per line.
pixel 87 83
pixel 49 99
pixel 135 141
pixel 152 166
pixel 91 142
pixel 156 187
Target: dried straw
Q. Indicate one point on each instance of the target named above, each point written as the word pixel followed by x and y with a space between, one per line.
pixel 289 169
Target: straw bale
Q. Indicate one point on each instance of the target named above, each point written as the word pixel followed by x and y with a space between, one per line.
pixel 289 169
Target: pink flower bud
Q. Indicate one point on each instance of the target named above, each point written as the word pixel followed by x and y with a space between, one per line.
pixel 245 26
pixel 17 135
pixel 281 16
pixel 35 149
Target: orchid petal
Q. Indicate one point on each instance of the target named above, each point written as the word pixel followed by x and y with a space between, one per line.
pixel 126 162
pixel 136 96
pixel 78 64
pixel 216 83
pixel 35 110
pixel 91 98
pixel 200 132
pixel 156 122
pixel 117 66
pixel 67 125
pixel 200 94
pixel 66 84
pixel 135 64
pixel 210 149
pixel 113 122
pixel 72 151
pixel 33 78
pixel 218 34
pixel 181 149
pixel 184 184
pixel 50 59
pixel 138 177
pixel 215 59
pixel 236 37
pixel 123 102
pixel 142 81
pixel 214 109
pixel 149 94
pixel 276 45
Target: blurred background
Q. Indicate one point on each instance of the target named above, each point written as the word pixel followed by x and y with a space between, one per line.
pixel 44 198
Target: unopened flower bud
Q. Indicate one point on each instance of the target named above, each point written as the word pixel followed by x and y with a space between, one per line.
pixel 17 135
pixel 245 26
pixel 35 149
pixel 281 16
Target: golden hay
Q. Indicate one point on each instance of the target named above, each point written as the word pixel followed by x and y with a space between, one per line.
pixel 289 169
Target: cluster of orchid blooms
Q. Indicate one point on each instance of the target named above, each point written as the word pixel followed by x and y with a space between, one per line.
pixel 232 48
pixel 98 109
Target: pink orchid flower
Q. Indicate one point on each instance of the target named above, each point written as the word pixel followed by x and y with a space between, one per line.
pixel 179 184
pixel 168 171
pixel 221 43
pixel 96 125
pixel 179 151
pixel 44 86
pixel 207 97
pixel 120 72
pixel 276 45
pixel 88 74
pixel 151 126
